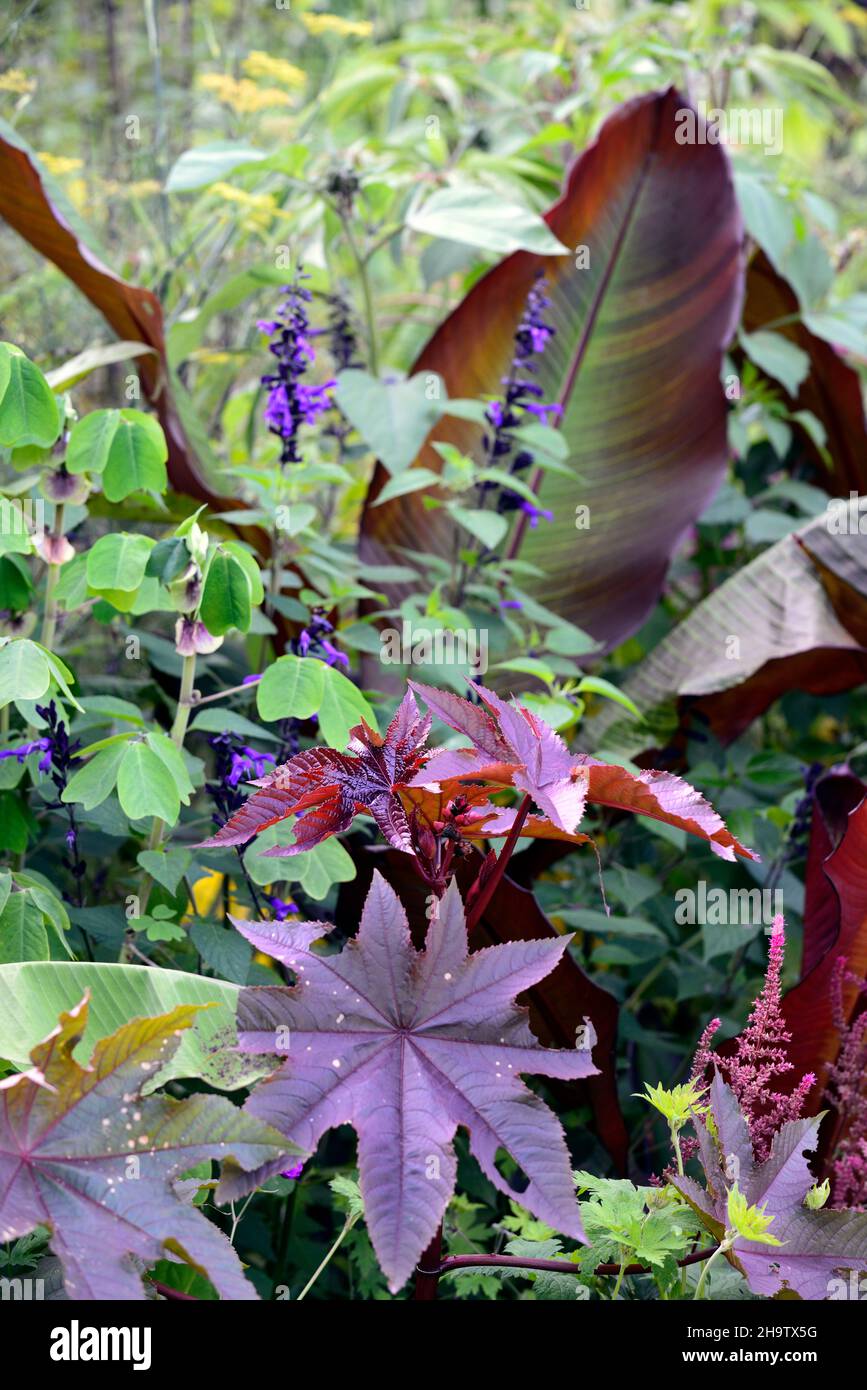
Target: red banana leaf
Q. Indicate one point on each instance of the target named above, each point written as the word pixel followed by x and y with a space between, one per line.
pixel 835 796
pixel 558 1004
pixel 38 213
pixel 835 924
pixel 808 1008
pixel 635 365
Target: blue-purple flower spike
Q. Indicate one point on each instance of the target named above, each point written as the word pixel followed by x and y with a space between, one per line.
pixel 292 402
pixel 235 763
pixel 313 640
pixel 523 397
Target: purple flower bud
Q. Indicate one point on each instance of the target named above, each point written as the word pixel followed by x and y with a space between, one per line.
pixel 280 908
pixel 332 655
pixel 523 399
pixel 534 512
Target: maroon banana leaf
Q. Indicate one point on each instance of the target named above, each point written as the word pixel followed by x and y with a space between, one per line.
pixel 831 390
pixel 558 1004
pixel 635 365
pixel 38 212
pixel 808 1008
pixel 799 615
pixel 835 924
pixel 835 796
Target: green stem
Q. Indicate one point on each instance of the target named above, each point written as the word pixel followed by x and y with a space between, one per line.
pixel 364 281
pixel 178 734
pixel 286 1225
pixel 702 1279
pixel 620 1273
pixel 49 620
pixel 347 1227
pixel 678 1154
pixel 675 1143
pixel 273 588
pixel 247 686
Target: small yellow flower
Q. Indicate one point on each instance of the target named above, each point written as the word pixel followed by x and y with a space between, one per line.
pixel 141 188
pixel 58 164
pixel 335 24
pixel 76 192
pixel 14 80
pixel 138 188
pixel 212 357
pixel 262 207
pixel 259 64
pixel 242 95
pixel 279 130
pixel 207 892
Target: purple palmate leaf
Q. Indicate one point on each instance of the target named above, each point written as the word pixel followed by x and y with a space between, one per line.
pixel 326 789
pixel 511 746
pixel 815 1245
pixel 84 1153
pixel 405 1046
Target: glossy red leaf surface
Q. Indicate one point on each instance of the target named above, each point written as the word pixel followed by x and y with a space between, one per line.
pixel 635 365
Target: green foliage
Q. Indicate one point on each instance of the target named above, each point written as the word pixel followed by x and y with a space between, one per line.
pixel 626 1224
pixel 126 447
pixel 749 1222
pixel 392 417
pixel 291 688
pixel 28 408
pixel 226 595
pixel 677 1105
pixel 33 993
pixel 161 573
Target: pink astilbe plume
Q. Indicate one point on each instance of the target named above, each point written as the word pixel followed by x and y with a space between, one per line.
pixel 846 1092
pixel 760 1057
pixel 704 1054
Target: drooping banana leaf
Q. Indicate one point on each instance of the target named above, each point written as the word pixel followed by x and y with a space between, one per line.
pixel 38 211
pixel 794 618
pixel 835 795
pixel 635 364
pixel 814 1008
pixel 33 993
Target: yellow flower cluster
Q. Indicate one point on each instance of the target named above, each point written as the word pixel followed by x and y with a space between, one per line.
pixel 242 95
pixel 58 164
pixel 259 64
pixel 335 24
pixel 139 188
pixel 77 193
pixel 14 80
pixel 212 357
pixel 208 892
pixel 262 207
